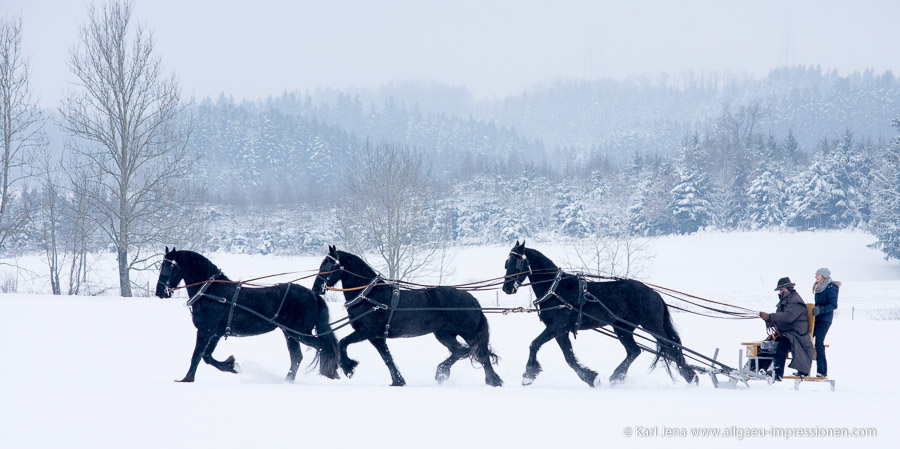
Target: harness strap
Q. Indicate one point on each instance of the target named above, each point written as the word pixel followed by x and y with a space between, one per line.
pixel 200 293
pixel 582 291
pixel 288 289
pixel 395 299
pixel 234 298
pixel 362 296
pixel 552 291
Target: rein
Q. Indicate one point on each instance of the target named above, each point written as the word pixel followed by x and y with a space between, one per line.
pixel 248 282
pixel 746 314
pixel 485 285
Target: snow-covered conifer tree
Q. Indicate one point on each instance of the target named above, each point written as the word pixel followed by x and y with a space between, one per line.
pixel 570 215
pixel 690 205
pixel 767 196
pixel 885 222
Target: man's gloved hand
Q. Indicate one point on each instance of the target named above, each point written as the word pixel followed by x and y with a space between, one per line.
pixel 764 316
pixel 815 311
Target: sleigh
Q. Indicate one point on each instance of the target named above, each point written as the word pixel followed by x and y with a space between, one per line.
pixel 760 355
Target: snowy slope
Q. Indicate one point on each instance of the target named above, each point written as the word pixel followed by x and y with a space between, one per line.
pixel 97 372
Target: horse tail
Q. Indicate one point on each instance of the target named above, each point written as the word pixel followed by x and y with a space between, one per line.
pixel 480 350
pixel 671 353
pixel 327 354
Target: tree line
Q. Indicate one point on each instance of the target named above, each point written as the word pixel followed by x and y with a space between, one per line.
pixel 141 167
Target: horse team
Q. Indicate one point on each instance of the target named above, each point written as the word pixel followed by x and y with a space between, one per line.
pixel 379 310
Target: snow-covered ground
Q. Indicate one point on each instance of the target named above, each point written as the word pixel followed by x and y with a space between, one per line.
pixel 97 372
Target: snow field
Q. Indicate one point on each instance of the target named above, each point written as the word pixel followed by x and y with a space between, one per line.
pixel 97 372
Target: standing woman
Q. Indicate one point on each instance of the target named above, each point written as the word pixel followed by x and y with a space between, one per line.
pixel 826 292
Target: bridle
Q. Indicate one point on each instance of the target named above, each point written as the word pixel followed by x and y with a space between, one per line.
pixel 165 272
pixel 519 262
pixel 335 268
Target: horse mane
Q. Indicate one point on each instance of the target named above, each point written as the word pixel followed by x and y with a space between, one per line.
pixel 355 264
pixel 538 260
pixel 198 263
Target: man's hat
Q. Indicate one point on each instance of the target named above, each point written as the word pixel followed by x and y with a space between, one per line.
pixel 784 282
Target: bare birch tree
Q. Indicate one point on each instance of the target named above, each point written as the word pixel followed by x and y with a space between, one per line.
pixel 124 114
pixel 81 231
pixel 388 208
pixel 21 124
pixel 45 216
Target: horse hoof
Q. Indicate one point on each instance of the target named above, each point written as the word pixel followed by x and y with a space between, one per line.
pixel 441 376
pixel 590 378
pixel 399 383
pixel 230 365
pixel 349 367
pixel 527 380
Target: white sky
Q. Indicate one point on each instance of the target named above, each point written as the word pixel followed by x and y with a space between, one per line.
pixel 250 49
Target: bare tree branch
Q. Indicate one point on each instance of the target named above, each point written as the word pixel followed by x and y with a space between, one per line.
pixel 388 208
pixel 126 117
pixel 21 124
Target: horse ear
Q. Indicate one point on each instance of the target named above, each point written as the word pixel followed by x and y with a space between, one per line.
pixel 167 250
pixel 517 243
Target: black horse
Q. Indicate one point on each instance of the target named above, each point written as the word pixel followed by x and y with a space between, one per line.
pixel 376 311
pixel 220 307
pixel 568 303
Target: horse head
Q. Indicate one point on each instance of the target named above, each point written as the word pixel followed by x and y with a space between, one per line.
pixel 329 271
pixel 170 274
pixel 517 269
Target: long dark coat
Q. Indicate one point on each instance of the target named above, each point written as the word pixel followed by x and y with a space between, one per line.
pixel 792 323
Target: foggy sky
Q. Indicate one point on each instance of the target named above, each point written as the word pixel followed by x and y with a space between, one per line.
pixel 495 48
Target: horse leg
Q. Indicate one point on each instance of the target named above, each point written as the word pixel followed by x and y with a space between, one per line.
pixel 227 366
pixel 632 351
pixel 533 368
pixel 348 364
pixel 490 376
pixel 457 351
pixel 586 374
pixel 381 345
pixel 203 339
pixel 296 356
